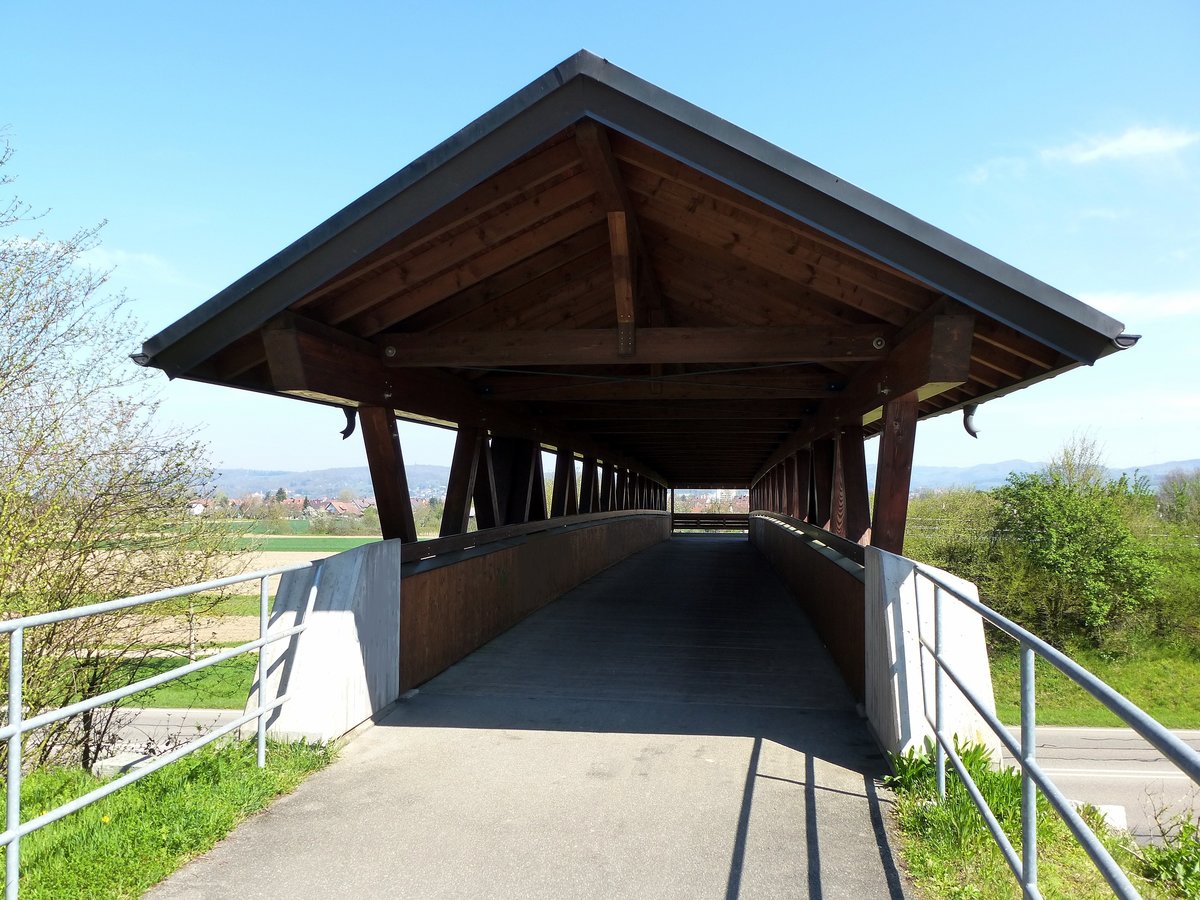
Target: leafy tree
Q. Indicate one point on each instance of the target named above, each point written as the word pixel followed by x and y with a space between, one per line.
pixel 93 498
pixel 280 495
pixel 1067 554
pixel 1179 498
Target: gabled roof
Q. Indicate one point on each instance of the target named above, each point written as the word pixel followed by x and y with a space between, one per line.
pixel 516 226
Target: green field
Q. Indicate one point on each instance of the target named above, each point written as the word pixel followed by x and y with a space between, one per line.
pixel 312 544
pixel 224 685
pixel 132 839
pixel 1163 681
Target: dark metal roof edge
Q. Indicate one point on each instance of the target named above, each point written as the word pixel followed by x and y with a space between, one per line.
pixel 618 84
pixel 904 224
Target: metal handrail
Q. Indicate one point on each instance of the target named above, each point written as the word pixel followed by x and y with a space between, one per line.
pixel 18 725
pixel 1033 777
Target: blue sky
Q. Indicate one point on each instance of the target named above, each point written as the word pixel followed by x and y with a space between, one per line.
pixel 1063 138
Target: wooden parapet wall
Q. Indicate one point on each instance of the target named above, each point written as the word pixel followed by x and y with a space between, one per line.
pixel 455 603
pixel 828 585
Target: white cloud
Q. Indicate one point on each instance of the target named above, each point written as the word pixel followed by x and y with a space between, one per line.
pixel 1135 307
pixel 1131 144
pixel 998 167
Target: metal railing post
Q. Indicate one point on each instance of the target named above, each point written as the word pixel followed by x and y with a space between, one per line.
pixel 1029 877
pixel 16 678
pixel 939 685
pixel 262 672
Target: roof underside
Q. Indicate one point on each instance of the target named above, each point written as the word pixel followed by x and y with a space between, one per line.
pixel 603 267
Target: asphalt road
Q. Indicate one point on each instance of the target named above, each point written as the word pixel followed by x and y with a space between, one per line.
pixel 1114 767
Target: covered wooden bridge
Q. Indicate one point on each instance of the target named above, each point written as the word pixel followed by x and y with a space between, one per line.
pixel 604 271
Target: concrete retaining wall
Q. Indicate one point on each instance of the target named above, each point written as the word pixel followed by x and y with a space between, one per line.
pixel 899 679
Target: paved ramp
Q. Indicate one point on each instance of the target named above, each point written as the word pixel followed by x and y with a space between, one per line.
pixel 671 728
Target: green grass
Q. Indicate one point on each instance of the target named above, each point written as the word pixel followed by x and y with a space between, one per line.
pixel 949 852
pixel 310 544
pixel 132 839
pixel 224 685
pixel 1162 680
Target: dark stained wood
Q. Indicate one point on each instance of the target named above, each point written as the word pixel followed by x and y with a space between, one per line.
pixel 932 359
pixel 563 496
pixel 662 345
pixel 315 361
pixel 460 489
pixel 487 508
pixel 589 487
pixel 512 463
pixel 608 493
pixel 537 488
pixel 822 489
pixel 803 458
pixel 386 461
pixel 623 283
pixel 894 473
pixel 852 518
pixel 581 413
pixel 683 386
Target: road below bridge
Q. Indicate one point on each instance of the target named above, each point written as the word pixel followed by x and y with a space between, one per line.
pixel 671 728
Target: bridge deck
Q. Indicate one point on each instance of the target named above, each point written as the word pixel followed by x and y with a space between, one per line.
pixel 671 728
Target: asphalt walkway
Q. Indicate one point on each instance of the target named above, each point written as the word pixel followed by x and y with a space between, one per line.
pixel 671 728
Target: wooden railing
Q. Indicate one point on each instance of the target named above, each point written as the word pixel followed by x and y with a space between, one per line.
pixel 711 521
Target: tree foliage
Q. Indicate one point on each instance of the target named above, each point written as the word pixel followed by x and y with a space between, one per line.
pixel 93 495
pixel 1075 540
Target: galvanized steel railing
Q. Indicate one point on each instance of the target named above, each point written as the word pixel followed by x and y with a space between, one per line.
pixel 17 725
pixel 1033 778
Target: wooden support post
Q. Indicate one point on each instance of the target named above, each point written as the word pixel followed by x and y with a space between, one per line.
pixel 537 486
pixel 622 501
pixel 822 462
pixel 513 460
pixel 789 485
pixel 460 489
pixel 487 508
pixel 589 487
pixel 386 461
pixel 608 494
pixel 894 473
pixel 803 460
pixel 561 501
pixel 852 460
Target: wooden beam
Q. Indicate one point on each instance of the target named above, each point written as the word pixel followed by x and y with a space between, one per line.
pixel 562 500
pixel 487 508
pixel 589 487
pixel 932 359
pixel 600 163
pixel 732 386
pixel 578 415
pixel 460 489
pixel 623 282
pixel 386 461
pixel 822 461
pixel 850 513
pixel 803 460
pixel 597 346
pixel 314 361
pixel 893 474
pixel 607 488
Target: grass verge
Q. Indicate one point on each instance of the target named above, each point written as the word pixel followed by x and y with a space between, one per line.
pixel 224 685
pixel 949 852
pixel 131 840
pixel 1162 680
pixel 303 544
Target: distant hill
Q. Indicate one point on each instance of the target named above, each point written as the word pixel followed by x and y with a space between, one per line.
pixel 430 481
pixel 423 481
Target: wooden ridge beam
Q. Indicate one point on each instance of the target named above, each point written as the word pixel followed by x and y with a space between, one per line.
pixel 597 346
pixel 623 282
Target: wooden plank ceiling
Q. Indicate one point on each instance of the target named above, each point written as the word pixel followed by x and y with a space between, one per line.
pixel 598 294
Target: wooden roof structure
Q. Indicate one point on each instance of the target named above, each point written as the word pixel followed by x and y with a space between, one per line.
pixel 597 264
